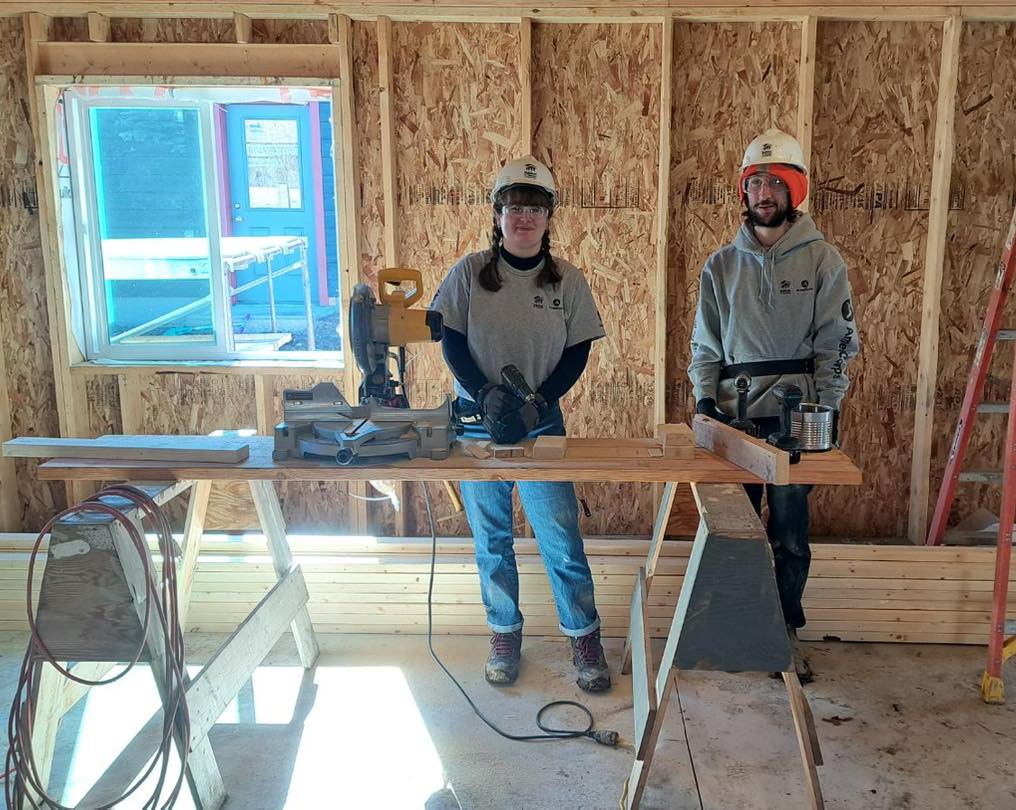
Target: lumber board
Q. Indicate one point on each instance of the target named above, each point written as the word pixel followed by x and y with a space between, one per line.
pixel 203 449
pixel 832 467
pixel 768 463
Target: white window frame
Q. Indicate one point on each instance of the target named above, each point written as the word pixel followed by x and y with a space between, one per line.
pixel 89 287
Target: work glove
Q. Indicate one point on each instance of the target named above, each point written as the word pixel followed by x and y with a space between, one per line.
pixel 707 406
pixel 506 417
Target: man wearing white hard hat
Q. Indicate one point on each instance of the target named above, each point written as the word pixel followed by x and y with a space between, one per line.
pixel 775 304
pixel 517 305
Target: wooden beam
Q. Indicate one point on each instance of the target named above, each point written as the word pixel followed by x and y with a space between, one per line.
pixel 663 226
pixel 264 402
pixel 98 27
pixel 806 90
pixel 643 683
pixel 389 187
pixel 147 59
pixel 197 510
pixel 186 449
pixel 132 411
pixel 73 419
pixel 754 455
pixel 526 85
pixel 243 29
pixel 931 298
pixel 10 502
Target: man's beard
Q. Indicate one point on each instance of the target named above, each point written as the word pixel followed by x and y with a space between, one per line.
pixel 779 215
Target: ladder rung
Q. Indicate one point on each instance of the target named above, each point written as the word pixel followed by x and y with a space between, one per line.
pixel 1006 334
pixel 993 407
pixel 982 476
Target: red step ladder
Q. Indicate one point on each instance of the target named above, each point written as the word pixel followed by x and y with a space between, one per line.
pixel 1000 648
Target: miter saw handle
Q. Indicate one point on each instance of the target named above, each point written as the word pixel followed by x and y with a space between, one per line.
pixel 394 277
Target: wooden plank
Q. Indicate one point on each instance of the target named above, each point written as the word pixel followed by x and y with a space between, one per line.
pixel 65 350
pixel 635 785
pixel 122 59
pixel 185 449
pixel 931 295
pixel 663 225
pixel 264 400
pixel 98 27
pixel 832 467
pixel 678 441
pixel 232 665
pixel 132 412
pixel 194 526
pixel 643 684
pixel 10 501
pixel 754 455
pixel 242 28
pixel 807 743
pixel 526 85
pixel 203 776
pixel 269 510
pixel 806 90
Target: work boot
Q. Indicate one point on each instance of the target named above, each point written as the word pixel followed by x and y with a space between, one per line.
pixel 587 655
pixel 502 667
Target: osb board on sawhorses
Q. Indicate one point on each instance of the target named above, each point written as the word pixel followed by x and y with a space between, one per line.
pixel 731 81
pixel 456 107
pixel 871 177
pixel 24 318
pixel 596 124
pixel 982 198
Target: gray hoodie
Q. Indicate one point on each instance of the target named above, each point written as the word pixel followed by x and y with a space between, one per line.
pixel 789 301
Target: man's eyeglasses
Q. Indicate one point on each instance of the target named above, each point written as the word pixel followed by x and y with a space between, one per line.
pixel 529 210
pixel 756 181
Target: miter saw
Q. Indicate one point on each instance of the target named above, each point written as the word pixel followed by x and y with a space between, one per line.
pixel 321 422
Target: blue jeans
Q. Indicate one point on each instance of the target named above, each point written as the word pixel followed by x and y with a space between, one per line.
pixel 553 512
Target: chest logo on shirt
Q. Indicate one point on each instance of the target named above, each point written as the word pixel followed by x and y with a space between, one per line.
pixel 803 286
pixel 539 302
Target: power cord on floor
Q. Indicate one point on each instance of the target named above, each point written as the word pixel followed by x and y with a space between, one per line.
pixel 27 787
pixel 603 737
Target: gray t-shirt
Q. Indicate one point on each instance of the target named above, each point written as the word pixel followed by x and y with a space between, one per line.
pixel 521 324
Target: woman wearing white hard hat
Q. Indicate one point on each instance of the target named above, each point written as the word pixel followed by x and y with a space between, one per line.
pixel 516 305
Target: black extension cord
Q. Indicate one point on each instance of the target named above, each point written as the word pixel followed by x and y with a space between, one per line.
pixel 605 737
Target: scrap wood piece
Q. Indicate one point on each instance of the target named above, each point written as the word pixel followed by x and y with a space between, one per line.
pixel 221 449
pixel 477 449
pixel 549 447
pixel 767 462
pixel 678 441
pixel 503 451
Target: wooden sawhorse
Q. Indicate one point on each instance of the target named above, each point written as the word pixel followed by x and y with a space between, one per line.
pixel 728 619
pixel 91 599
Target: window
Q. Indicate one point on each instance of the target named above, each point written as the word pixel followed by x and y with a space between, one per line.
pixel 202 222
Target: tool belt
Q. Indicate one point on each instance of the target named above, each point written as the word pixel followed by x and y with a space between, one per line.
pixel 765 368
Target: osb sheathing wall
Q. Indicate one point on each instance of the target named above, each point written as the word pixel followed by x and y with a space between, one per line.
pixel 595 110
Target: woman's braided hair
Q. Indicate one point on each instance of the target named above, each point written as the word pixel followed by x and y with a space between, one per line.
pixel 549 275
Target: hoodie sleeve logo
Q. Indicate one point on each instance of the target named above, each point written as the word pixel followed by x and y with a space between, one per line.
pixel 847 310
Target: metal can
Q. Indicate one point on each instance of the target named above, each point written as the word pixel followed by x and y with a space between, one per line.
pixel 812 425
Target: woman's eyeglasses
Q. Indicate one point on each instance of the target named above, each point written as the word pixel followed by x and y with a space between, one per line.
pixel 529 210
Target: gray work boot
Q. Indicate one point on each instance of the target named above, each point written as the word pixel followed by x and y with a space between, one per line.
pixel 587 655
pixel 502 667
pixel 801 665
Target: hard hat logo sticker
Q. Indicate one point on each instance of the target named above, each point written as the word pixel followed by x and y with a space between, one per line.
pixel 529 170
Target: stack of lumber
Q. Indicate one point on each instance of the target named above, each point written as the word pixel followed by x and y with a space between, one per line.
pixel 368 585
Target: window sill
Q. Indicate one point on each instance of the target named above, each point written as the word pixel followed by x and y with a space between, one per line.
pixel 245 367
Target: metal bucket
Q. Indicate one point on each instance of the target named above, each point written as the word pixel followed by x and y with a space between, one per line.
pixel 812 425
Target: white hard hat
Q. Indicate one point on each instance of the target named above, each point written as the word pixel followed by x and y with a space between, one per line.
pixel 525 171
pixel 774 146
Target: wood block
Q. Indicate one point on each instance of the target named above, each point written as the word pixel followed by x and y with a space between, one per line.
pixel 549 447
pixel 476 449
pixel 767 462
pixel 507 450
pixel 678 441
pixel 223 449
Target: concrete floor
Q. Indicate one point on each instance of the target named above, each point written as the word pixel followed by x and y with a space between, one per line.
pixel 378 725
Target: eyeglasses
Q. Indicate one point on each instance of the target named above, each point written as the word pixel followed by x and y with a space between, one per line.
pixel 530 210
pixel 756 181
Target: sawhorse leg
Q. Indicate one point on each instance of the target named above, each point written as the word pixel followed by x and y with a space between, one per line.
pixel 655 547
pixel 269 510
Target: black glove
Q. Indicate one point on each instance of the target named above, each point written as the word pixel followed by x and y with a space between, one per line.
pixel 707 406
pixel 506 417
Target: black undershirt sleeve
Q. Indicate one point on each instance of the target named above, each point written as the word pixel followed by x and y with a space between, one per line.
pixel 461 362
pixel 567 372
